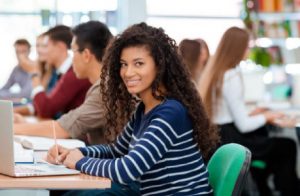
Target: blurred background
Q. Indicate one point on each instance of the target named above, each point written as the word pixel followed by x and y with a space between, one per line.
pixel 274 24
pixel 180 19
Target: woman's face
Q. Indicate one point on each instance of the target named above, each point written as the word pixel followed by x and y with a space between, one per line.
pixel 138 70
pixel 41 48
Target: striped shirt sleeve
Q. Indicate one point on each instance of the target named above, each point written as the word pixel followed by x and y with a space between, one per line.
pixel 157 139
pixel 117 149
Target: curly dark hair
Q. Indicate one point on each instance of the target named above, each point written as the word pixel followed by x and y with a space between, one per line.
pixel 171 72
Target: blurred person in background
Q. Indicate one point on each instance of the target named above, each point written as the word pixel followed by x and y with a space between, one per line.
pixel 69 91
pixel 87 122
pixel 195 54
pixel 221 88
pixel 19 75
pixel 40 65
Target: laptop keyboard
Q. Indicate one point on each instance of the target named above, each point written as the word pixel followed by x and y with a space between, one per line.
pixel 24 169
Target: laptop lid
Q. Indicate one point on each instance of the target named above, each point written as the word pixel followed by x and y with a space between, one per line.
pixel 7 162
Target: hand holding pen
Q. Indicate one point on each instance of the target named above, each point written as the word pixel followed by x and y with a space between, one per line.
pixel 68 157
pixel 57 154
pixel 60 155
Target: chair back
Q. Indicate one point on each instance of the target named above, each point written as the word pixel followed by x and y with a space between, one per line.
pixel 228 169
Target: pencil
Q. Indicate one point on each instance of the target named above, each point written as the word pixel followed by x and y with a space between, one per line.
pixel 55 142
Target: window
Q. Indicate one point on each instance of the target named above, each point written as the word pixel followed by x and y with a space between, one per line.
pixel 27 19
pixel 195 18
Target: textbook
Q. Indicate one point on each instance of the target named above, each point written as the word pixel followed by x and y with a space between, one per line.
pixel 43 143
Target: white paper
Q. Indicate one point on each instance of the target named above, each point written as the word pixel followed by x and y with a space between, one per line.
pixel 43 143
pixel 22 155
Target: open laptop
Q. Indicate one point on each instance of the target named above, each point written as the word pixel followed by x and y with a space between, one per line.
pixel 7 162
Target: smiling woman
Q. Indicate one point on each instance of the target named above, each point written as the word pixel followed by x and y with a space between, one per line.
pixel 138 70
pixel 143 61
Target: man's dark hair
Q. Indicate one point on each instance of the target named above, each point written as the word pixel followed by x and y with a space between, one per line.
pixel 93 35
pixel 60 33
pixel 22 42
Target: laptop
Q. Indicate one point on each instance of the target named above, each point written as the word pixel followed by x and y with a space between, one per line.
pixel 7 162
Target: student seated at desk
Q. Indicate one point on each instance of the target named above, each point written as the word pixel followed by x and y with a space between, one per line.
pixel 221 88
pixel 167 134
pixel 47 71
pixel 69 91
pixel 87 121
pixel 19 75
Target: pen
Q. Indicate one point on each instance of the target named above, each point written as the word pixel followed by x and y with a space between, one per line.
pixel 55 141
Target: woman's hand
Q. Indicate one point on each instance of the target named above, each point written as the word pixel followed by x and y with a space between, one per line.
pixel 286 122
pixel 258 110
pixel 72 158
pixel 54 158
pixel 272 117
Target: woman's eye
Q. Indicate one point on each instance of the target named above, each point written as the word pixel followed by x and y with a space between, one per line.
pixel 123 64
pixel 139 63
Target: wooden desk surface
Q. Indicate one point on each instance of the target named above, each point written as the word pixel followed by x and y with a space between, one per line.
pixel 80 181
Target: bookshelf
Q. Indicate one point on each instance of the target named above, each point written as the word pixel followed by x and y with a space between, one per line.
pixel 275 23
pixel 274 18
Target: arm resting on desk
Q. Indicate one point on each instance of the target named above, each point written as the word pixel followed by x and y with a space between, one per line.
pixel 43 129
pixel 23 110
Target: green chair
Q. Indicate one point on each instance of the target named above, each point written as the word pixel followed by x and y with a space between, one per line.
pixel 228 169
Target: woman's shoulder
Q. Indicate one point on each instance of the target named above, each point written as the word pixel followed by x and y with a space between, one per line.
pixel 173 104
pixel 173 113
pixel 172 108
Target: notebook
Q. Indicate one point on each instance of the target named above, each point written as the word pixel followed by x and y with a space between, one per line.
pixel 42 143
pixel 22 155
pixel 7 154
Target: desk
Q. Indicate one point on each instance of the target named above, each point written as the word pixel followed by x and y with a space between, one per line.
pixel 292 112
pixel 80 181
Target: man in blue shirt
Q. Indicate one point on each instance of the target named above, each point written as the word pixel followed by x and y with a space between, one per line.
pixel 18 76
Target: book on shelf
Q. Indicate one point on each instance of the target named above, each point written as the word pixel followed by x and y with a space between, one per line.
pixel 43 143
pixel 277 29
pixel 276 5
pixel 296 5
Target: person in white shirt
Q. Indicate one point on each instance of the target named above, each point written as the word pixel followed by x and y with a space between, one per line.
pixel 221 88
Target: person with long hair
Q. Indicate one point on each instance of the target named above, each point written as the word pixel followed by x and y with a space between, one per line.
pixel 40 65
pixel 48 74
pixel 195 54
pixel 148 90
pixel 47 71
pixel 221 88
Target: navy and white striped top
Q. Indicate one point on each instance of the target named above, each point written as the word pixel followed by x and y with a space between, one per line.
pixel 157 150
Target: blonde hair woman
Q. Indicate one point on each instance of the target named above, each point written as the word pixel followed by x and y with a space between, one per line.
pixel 221 88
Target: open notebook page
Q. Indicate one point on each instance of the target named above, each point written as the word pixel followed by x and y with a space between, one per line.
pixel 43 143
